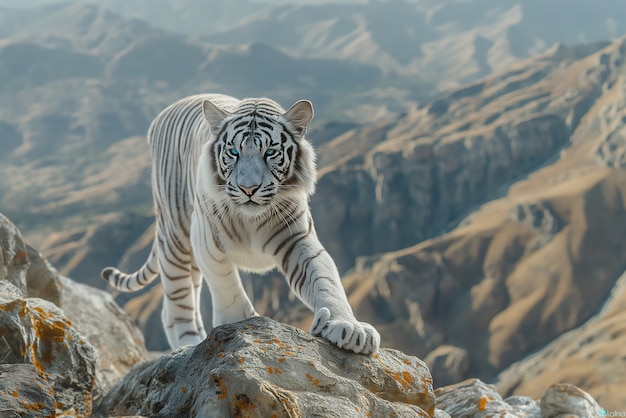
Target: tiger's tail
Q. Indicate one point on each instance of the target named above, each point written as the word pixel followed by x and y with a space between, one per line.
pixel 136 281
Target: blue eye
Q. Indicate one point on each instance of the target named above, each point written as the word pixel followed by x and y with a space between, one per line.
pixel 270 152
pixel 233 151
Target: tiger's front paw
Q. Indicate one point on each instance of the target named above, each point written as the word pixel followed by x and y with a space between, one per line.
pixel 348 334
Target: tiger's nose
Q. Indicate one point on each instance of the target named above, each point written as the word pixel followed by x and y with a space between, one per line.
pixel 249 191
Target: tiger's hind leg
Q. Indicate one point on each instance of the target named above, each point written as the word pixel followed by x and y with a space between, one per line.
pixel 180 308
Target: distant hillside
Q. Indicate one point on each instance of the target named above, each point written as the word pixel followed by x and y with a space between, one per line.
pixel 442 43
pixel 534 258
pixel 78 80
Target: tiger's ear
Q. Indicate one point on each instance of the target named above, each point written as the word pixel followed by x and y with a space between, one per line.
pixel 214 114
pixel 299 115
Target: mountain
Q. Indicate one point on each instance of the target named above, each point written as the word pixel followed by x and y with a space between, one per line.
pixel 477 217
pixel 79 83
pixel 443 44
pixel 539 256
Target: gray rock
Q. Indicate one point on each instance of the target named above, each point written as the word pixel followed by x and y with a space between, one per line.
pixel 118 343
pixel 91 312
pixel 24 392
pixel 565 400
pixel 525 405
pixel 260 367
pixel 441 414
pixel 42 279
pixel 475 399
pixel 36 332
pixel 13 255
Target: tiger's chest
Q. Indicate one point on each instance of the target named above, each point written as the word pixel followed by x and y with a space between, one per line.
pixel 243 243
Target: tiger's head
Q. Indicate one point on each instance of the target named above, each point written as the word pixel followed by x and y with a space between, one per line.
pixel 259 153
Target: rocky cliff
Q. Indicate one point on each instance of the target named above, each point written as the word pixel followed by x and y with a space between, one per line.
pixel 539 260
pixel 79 355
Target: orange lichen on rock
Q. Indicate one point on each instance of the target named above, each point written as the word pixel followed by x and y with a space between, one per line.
pixel 405 378
pixel 482 402
pixel 311 379
pixel 35 407
pixel 272 370
pixel 21 257
pixel 11 307
pixel 243 403
pixel 221 392
pixel 49 333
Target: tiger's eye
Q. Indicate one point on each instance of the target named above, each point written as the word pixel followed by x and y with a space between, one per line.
pixel 270 152
pixel 233 152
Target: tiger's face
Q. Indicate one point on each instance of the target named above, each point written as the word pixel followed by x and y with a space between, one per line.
pixel 259 152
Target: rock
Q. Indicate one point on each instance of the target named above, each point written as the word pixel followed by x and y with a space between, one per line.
pixel 475 399
pixel 42 279
pixel 260 367
pixel 118 343
pixel 80 351
pixel 409 188
pixel 24 392
pixel 448 364
pixel 563 400
pixel 13 254
pixel 35 331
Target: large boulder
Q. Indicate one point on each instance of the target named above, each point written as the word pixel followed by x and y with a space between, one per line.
pixel 37 332
pixel 76 339
pixel 260 367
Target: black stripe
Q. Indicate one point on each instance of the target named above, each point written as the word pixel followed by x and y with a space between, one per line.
pixel 181 262
pixel 291 248
pixel 171 296
pixel 283 227
pixel 299 283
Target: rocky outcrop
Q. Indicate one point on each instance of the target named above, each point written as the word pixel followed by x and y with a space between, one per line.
pixel 521 271
pixel 79 342
pixel 475 399
pixel 414 177
pixel 501 289
pixel 262 368
pixel 37 332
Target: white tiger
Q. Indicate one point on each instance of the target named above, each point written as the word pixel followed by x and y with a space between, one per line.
pixel 231 182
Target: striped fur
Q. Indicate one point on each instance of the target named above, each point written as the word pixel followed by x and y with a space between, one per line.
pixel 231 182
